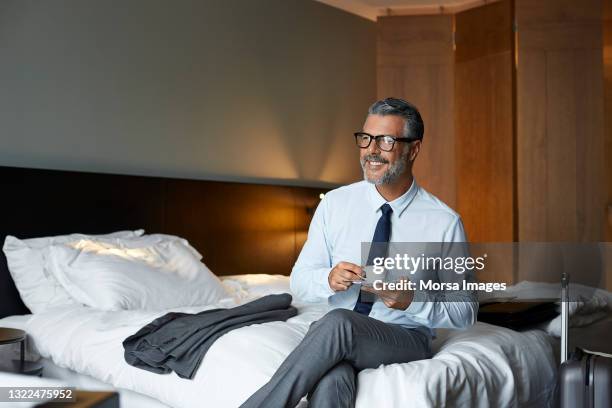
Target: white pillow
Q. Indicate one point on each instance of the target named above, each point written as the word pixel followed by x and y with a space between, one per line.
pixel 38 288
pixel 151 272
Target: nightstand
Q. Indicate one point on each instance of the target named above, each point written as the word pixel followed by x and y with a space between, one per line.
pixel 11 336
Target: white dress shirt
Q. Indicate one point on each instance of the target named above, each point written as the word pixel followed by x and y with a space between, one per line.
pixel 345 218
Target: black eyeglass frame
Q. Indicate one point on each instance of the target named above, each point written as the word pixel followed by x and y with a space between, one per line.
pixel 379 137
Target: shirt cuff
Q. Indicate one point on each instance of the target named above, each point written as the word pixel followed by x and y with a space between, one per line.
pixel 418 302
pixel 323 280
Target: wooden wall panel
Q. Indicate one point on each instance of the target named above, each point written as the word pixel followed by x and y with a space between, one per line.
pixel 238 230
pixel 607 70
pixel 562 177
pixel 484 123
pixel 560 140
pixel 484 31
pixel 241 228
pixel 415 62
pixel 531 159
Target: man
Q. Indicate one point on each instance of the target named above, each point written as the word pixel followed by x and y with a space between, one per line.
pixel 358 334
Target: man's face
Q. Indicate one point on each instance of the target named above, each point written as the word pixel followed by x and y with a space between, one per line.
pixel 380 167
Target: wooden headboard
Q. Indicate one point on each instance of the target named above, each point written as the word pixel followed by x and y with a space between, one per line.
pixel 239 228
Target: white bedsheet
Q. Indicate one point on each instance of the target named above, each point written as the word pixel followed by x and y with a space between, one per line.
pixel 55 374
pixel 483 366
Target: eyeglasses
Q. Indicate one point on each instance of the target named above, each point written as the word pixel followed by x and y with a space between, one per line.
pixel 384 142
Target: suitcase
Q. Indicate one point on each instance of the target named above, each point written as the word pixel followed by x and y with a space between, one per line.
pixel 585 378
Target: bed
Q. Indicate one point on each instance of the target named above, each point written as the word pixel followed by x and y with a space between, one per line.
pixel 482 366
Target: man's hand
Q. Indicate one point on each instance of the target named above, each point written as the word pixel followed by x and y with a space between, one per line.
pixel 395 299
pixel 343 275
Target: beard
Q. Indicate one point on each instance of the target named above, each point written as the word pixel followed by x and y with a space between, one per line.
pixel 393 172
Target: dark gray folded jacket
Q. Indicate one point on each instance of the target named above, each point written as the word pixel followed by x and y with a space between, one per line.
pixel 179 341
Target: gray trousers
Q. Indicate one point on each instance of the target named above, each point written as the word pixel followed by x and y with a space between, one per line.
pixel 325 364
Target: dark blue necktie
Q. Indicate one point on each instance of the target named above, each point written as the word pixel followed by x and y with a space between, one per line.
pixel 378 249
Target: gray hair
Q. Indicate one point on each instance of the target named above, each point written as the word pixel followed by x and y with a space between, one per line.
pixel 413 124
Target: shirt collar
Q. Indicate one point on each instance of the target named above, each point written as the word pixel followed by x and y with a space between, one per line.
pixel 399 204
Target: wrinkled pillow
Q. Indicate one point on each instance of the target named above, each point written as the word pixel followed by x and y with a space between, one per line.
pixel 39 289
pixel 153 272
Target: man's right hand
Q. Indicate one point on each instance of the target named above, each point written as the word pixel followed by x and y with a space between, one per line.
pixel 342 276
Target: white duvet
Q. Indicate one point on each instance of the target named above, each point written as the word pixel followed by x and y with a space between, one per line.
pixel 483 366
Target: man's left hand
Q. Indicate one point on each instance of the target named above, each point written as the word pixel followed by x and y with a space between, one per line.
pixel 395 299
